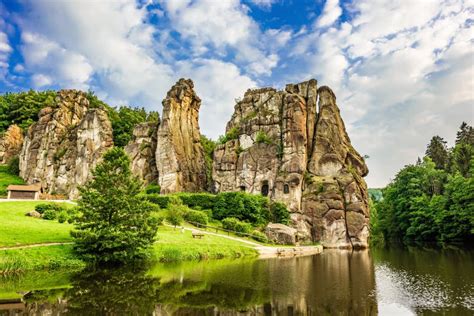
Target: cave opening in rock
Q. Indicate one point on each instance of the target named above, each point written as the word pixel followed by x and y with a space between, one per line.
pixel 286 189
pixel 242 188
pixel 265 188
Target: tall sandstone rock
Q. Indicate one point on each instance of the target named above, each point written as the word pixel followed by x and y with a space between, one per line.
pixel 141 150
pixel 10 143
pixel 297 151
pixel 179 155
pixel 64 146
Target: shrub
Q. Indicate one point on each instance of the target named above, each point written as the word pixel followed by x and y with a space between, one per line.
pixel 233 133
pixel 161 200
pixel 259 236
pixel 229 223
pixel 243 228
pixel 40 208
pixel 62 217
pixel 174 216
pixel 263 138
pixel 153 189
pixel 196 217
pixel 49 214
pixel 243 206
pixel 280 213
pixel 198 200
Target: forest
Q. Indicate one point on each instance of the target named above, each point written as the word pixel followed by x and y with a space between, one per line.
pixel 431 200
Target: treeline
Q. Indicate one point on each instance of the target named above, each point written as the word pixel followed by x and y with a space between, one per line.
pixel 22 109
pixel 433 199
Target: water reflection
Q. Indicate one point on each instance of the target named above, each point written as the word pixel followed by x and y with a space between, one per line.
pixel 386 282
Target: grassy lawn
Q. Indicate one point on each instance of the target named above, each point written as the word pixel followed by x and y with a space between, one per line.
pixel 18 229
pixel 174 245
pixel 6 178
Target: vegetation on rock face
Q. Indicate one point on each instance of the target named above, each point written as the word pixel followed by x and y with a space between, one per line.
pixel 432 200
pixel 232 134
pixel 209 145
pixel 116 224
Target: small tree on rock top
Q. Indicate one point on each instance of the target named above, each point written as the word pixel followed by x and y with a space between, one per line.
pixel 116 226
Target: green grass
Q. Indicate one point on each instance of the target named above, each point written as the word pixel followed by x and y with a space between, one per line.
pixel 39 258
pixel 173 245
pixel 6 178
pixel 18 229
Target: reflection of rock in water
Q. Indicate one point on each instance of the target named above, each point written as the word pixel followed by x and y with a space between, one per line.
pixel 333 283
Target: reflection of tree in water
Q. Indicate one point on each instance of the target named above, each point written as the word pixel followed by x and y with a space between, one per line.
pixel 112 292
pixel 124 291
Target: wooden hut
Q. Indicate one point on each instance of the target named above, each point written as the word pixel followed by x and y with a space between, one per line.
pixel 27 192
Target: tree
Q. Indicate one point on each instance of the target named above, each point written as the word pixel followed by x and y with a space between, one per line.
pixel 465 135
pixel 438 152
pixel 116 225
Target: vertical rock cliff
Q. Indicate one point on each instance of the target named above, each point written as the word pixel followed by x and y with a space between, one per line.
pixel 141 150
pixel 66 143
pixel 10 143
pixel 179 155
pixel 280 145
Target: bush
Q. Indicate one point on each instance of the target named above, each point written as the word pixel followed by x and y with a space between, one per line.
pixel 161 200
pixel 50 214
pixel 229 223
pixel 243 206
pixel 198 200
pixel 233 133
pixel 280 213
pixel 196 217
pixel 232 223
pixel 153 189
pixel 259 236
pixel 174 216
pixel 62 217
pixel 40 208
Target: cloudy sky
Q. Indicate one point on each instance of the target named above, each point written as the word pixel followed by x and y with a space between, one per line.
pixel 402 71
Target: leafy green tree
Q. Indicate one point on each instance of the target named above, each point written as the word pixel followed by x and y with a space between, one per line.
pixel 209 146
pixel 465 135
pixel 116 225
pixel 438 151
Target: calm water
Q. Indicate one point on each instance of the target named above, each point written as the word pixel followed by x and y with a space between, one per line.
pixel 385 282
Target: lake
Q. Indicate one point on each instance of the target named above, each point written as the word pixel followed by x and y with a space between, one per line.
pixel 396 281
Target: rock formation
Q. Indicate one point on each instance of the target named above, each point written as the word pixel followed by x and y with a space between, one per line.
pixel 10 143
pixel 280 145
pixel 180 156
pixel 64 146
pixel 141 150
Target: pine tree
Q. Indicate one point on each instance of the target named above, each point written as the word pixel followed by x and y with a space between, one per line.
pixel 438 152
pixel 465 135
pixel 116 224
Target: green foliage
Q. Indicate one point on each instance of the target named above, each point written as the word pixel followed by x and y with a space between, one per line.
pixel 175 215
pixel 438 152
pixel 161 200
pixel 22 108
pixel 209 146
pixel 50 214
pixel 432 200
pixel 7 178
pixel 243 206
pixel 52 211
pixel 116 223
pixel 41 208
pixel 233 224
pixel 279 213
pixel 259 236
pixel 198 200
pixel 232 134
pixel 63 217
pixel 153 189
pixel 263 138
pixel 194 216
pixel 14 166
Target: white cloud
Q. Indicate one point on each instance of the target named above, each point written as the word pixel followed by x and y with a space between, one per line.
pixel 402 71
pixel 265 4
pixel 223 28
pixel 40 80
pixel 331 12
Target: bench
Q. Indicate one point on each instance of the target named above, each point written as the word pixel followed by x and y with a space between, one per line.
pixel 197 234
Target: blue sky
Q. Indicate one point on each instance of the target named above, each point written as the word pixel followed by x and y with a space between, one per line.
pixel 402 70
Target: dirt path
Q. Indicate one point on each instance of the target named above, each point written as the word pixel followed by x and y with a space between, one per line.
pixel 46 244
